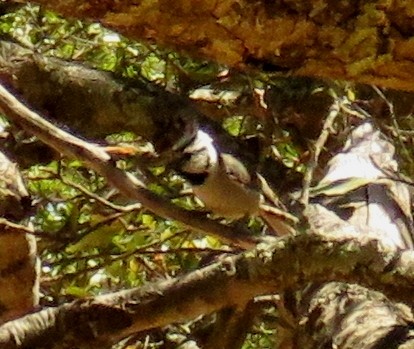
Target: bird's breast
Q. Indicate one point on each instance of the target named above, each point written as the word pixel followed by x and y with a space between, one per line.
pixel 227 198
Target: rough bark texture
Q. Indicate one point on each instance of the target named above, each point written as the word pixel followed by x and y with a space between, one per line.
pixel 365 41
pixel 344 315
pixel 92 102
pixel 19 274
pixel 349 316
pixel 233 282
pixel 96 103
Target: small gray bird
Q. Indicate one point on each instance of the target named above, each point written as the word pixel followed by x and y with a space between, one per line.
pixel 224 185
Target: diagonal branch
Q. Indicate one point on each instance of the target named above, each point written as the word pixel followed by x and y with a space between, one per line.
pixel 96 158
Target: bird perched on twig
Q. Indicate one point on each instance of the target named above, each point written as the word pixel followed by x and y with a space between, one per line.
pixel 225 186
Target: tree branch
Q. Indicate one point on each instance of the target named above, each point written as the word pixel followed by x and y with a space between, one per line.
pixel 367 42
pixel 354 317
pixel 280 264
pixel 96 158
pixel 96 103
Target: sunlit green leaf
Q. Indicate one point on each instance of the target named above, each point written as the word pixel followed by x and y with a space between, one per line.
pixel 98 238
pixel 78 292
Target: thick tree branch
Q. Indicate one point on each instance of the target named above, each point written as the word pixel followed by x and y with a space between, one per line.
pixel 95 103
pixel 19 267
pixel 368 42
pixel 354 317
pixel 280 264
pixel 92 102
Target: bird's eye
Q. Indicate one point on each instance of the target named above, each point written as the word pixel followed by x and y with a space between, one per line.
pixel 186 157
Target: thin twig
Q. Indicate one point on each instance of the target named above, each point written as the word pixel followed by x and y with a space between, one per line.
pixel 83 190
pixel 394 122
pixel 319 145
pixel 18 227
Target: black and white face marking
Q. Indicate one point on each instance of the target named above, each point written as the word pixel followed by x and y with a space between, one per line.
pixel 218 180
pixel 195 178
pixel 202 145
pixel 199 158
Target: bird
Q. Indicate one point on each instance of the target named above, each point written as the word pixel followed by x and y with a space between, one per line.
pixel 225 185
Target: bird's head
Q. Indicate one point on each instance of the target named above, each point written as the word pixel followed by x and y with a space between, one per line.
pixel 199 158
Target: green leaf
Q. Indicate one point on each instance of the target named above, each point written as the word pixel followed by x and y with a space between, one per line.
pixel 340 187
pixel 76 291
pixel 99 238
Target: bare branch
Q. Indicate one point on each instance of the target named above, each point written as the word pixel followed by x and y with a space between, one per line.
pixel 320 143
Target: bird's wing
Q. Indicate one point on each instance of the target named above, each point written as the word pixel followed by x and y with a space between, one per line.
pixel 235 169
